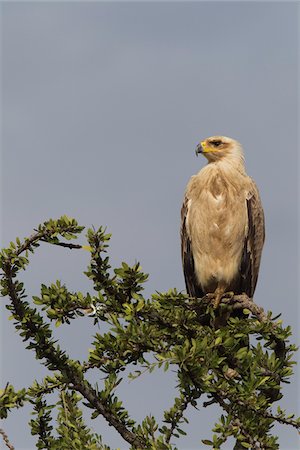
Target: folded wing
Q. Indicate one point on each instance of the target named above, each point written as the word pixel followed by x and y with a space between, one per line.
pixel 193 287
pixel 253 244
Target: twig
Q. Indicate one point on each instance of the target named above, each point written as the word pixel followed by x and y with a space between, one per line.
pixel 64 404
pixel 222 395
pixel 176 420
pixel 6 440
pixel 63 244
pixel 5 390
pixel 210 402
pixel 236 421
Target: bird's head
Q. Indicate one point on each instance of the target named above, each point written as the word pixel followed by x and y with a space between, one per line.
pixel 218 147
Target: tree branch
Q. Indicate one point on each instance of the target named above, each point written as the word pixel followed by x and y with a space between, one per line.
pixel 6 440
pixel 63 244
pixel 241 302
pixel 56 359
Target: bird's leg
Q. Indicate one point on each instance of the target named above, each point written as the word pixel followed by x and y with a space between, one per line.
pixel 229 295
pixel 219 292
pixel 218 298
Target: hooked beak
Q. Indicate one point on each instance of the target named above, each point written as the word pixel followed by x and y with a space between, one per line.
pixel 199 149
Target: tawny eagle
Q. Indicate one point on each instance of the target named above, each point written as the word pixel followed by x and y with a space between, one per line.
pixel 222 224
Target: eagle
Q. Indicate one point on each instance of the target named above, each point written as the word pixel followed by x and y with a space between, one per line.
pixel 222 224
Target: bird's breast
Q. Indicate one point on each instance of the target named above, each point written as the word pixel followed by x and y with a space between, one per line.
pixel 217 224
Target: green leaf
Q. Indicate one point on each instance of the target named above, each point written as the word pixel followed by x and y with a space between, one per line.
pixel 263 380
pixel 218 340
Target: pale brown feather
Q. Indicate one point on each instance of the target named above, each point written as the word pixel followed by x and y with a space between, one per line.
pixel 222 229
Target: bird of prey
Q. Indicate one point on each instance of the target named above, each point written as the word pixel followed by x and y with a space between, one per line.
pixel 222 224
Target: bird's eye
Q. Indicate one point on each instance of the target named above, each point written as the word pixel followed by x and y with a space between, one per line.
pixel 216 143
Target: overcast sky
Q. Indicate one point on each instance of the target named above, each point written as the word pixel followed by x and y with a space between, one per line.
pixel 103 105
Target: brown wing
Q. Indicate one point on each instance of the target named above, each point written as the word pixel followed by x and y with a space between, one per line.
pixel 193 287
pixel 253 244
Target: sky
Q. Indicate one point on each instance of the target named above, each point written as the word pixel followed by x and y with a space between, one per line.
pixel 102 107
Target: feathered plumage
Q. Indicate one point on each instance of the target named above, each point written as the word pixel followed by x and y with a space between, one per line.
pixel 222 224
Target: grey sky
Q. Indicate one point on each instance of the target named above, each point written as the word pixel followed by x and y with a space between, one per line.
pixel 103 104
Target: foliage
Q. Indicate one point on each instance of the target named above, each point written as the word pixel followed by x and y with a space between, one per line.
pixel 239 365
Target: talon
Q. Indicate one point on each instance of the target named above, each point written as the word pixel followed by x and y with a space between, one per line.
pixel 209 295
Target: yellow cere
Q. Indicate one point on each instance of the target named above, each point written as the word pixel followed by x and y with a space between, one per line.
pixel 204 146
